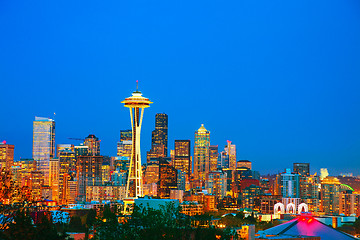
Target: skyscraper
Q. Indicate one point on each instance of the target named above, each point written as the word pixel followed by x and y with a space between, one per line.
pixel 94 145
pixel 288 184
pixel 330 191
pixel 125 145
pixel 230 149
pixel 182 156
pixel 136 104
pixel 6 155
pixel 167 178
pixel 201 153
pixel 214 155
pixel 43 144
pixel 160 134
pixel 88 174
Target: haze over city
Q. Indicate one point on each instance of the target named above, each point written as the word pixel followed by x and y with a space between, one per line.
pixel 278 79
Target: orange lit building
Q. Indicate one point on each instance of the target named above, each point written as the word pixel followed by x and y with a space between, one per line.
pixel 214 155
pixel 230 149
pixel 167 178
pixel 6 155
pixel 191 208
pixel 182 156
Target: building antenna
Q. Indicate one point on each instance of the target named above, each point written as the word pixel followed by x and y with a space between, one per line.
pixel 137 85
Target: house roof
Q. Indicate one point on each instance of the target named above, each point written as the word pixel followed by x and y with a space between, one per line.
pixel 306 225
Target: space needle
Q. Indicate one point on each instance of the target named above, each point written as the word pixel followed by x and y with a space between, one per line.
pixel 136 103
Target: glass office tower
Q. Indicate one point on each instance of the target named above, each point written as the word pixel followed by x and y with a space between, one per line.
pixel 43 144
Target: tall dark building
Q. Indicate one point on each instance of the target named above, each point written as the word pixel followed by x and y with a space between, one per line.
pixel 182 156
pixel 160 134
pixel 94 145
pixel 302 168
pixel 167 178
pixel 89 173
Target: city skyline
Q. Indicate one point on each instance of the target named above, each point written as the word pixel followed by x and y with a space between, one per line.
pixel 262 75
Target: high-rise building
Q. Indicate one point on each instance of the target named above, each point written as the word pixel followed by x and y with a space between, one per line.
pixel 156 151
pixel 43 144
pixel 182 156
pixel 160 134
pixel 36 183
pixel 167 178
pixel 69 156
pixel 125 145
pixel 89 173
pixel 214 155
pixel 136 104
pixel 216 183
pixel 6 155
pixel 66 165
pixel 54 178
pixel 230 149
pixel 94 145
pixel 181 180
pixel 288 184
pixel 223 160
pixel 201 153
pixel 302 168
pixel 330 190
pixel 250 196
pixel 349 203
pixel 151 173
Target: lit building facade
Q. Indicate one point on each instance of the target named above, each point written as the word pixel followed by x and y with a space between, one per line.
pixel 124 147
pixel 104 193
pixel 94 145
pixel 214 155
pixel 151 173
pixel 81 150
pixel 223 160
pixel 244 163
pixel 61 147
pixel 89 173
pixel 250 197
pixel 201 153
pixel 288 184
pixel 54 178
pixel 160 134
pixel 6 155
pixel 216 183
pixel 44 144
pixel 167 178
pixel 302 168
pixel 330 190
pixel 182 156
pixel 230 149
pixel 349 203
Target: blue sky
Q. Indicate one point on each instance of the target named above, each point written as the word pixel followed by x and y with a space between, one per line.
pixel 278 78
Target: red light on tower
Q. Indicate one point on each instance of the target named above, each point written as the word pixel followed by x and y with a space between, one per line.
pixel 4 142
